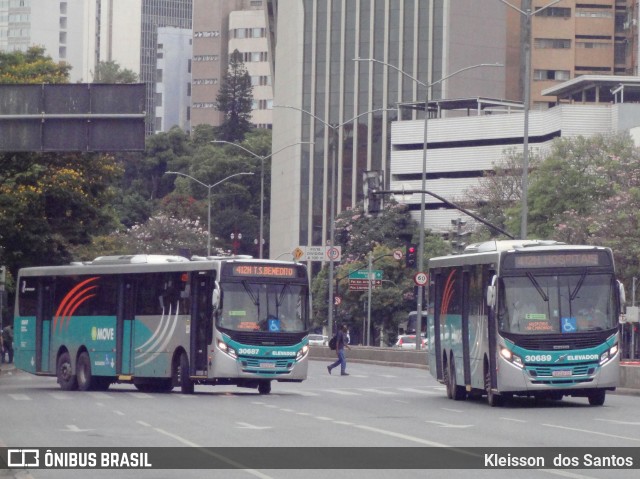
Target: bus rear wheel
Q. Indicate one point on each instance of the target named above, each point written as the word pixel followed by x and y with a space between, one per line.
pixel 66 379
pixel 458 393
pixel 83 372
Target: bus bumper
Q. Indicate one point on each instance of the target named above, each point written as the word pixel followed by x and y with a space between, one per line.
pixel 535 378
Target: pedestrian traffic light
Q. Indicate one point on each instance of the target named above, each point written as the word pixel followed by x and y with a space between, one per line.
pixel 411 256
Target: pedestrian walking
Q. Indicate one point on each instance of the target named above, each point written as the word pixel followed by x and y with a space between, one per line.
pixel 341 343
pixel 7 339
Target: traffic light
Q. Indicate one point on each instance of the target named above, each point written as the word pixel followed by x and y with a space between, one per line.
pixel 411 256
pixel 372 182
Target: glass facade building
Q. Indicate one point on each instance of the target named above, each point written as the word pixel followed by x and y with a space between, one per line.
pixel 323 96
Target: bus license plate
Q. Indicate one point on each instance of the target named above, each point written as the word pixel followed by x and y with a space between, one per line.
pixel 268 365
pixel 562 373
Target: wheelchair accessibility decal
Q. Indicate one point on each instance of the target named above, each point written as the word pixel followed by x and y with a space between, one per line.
pixel 569 325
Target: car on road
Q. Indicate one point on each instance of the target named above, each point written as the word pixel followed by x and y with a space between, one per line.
pixel 408 341
pixel 318 340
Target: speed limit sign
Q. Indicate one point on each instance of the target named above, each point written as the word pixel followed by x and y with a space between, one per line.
pixel 421 279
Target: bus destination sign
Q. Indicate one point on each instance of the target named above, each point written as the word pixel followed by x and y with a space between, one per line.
pixel 562 260
pixel 264 270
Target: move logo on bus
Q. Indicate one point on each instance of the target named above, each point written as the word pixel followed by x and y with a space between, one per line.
pixel 102 334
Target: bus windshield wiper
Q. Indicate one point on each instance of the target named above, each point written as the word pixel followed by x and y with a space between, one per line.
pixel 574 293
pixel 537 286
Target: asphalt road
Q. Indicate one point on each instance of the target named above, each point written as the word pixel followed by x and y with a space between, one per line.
pixel 376 406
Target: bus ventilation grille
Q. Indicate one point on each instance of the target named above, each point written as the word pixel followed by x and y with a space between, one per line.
pixel 560 342
pixel 267 339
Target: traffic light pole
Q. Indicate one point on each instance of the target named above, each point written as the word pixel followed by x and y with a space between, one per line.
pixel 449 203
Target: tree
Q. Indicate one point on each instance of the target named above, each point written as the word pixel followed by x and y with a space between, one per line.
pixel 111 72
pixel 32 66
pixel 235 99
pixel 498 196
pixel 50 203
pixel 358 235
pixel 577 175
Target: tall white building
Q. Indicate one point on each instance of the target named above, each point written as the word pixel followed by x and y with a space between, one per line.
pixel 65 28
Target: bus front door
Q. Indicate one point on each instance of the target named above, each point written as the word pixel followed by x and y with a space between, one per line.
pixel 202 324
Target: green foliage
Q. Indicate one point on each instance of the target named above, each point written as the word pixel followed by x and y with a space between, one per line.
pixel 50 203
pixel 235 99
pixel 111 72
pixel 358 235
pixel 32 66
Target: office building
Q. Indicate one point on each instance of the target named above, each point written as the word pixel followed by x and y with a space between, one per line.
pixel 315 46
pixel 219 28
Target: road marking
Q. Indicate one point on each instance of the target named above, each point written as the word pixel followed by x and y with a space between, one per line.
pixel 444 424
pixel 100 395
pixel 419 391
pixel 380 391
pixel 598 433
pixel 512 419
pixel 342 392
pixel 61 396
pixel 323 418
pixel 246 425
pixel 20 397
pixel 142 423
pixel 304 414
pixel 615 421
pixel 74 428
pixel 119 413
pixel 451 410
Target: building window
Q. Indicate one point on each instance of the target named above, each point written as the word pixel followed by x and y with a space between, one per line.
pixel 63 8
pixel 62 52
pixel 551 43
pixel 555 12
pixel 158 99
pixel 159 75
pixel 551 75
pixel 257 33
pixel 592 45
pixel 158 123
pixel 63 37
pixel 63 22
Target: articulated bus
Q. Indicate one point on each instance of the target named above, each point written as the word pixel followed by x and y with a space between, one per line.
pixel 164 321
pixel 526 318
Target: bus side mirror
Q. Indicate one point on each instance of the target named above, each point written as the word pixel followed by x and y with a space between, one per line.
pixel 623 298
pixel 491 293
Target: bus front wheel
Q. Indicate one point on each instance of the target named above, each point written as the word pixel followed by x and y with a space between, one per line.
pixel 264 387
pixel 597 398
pixel 186 385
pixel 493 399
pixel 83 372
pixel 66 379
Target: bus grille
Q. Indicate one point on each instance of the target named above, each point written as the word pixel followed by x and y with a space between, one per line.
pixel 266 338
pixel 560 342
pixel 546 371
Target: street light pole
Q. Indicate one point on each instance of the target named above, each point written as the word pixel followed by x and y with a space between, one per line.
pixel 335 128
pixel 527 99
pixel 208 187
pixel 427 87
pixel 262 160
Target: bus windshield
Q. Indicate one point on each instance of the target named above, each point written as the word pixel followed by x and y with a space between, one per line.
pixel 539 304
pixel 273 307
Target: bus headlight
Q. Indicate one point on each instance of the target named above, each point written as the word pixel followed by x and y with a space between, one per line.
pixel 608 354
pixel 512 358
pixel 302 352
pixel 225 348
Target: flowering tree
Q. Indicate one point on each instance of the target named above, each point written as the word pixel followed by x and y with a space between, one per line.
pixel 166 235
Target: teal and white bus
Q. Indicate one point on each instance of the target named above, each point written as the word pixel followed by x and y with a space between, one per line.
pixel 527 318
pixel 164 321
